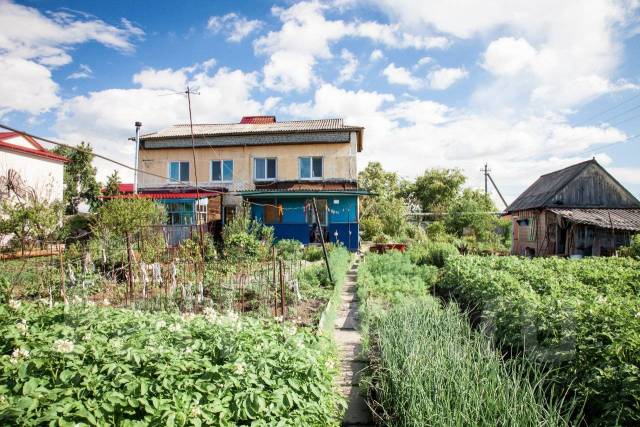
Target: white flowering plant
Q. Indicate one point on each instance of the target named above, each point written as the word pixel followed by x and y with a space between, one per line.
pixel 84 365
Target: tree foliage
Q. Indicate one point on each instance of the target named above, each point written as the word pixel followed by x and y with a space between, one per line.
pixel 384 212
pixel 436 189
pixel 472 211
pixel 30 220
pixel 112 187
pixel 80 184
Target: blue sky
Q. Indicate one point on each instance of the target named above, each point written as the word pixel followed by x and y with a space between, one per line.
pixel 435 83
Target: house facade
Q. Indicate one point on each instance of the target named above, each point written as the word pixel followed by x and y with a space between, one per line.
pixel 26 166
pixel 578 211
pixel 278 168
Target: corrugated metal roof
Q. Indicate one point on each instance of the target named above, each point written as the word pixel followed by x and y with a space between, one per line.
pixel 618 219
pixel 257 119
pixel 545 187
pixel 184 131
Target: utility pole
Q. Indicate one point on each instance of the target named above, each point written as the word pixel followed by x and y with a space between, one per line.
pixel 486 171
pixel 135 174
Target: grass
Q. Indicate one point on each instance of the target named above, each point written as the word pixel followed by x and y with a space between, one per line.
pixel 432 369
pixel 428 367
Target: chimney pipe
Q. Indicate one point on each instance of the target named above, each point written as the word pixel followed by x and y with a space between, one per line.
pixel 135 174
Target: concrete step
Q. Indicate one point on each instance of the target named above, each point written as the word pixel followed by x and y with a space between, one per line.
pixel 349 321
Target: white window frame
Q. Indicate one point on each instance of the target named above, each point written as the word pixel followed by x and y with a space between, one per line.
pixel 311 178
pixel 222 180
pixel 255 178
pixel 171 181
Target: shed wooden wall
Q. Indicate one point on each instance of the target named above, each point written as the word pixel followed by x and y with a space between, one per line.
pixel 594 188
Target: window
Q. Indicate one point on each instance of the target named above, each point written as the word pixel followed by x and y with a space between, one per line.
pixel 310 167
pixel 322 211
pixel 180 213
pixel 222 170
pixel 202 208
pixel 179 171
pixel 264 169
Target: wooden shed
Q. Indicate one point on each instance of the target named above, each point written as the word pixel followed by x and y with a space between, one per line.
pixel 579 210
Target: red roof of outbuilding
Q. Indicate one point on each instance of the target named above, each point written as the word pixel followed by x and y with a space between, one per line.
pixel 164 195
pixel 125 188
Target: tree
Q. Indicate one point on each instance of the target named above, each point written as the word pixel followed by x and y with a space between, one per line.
pixel 436 189
pixel 472 211
pixel 30 220
pixel 112 188
pixel 384 212
pixel 80 182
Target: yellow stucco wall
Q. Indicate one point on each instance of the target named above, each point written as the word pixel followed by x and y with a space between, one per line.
pixel 339 162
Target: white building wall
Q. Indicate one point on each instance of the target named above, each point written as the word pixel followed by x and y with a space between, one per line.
pixel 43 175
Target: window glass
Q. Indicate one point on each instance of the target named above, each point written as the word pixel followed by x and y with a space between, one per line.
pixel 260 169
pixel 227 170
pixel 271 168
pixel 216 171
pixel 184 171
pixel 317 167
pixel 305 167
pixel 174 171
pixel 322 211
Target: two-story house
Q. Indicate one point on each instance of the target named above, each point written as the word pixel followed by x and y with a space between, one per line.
pixel 277 167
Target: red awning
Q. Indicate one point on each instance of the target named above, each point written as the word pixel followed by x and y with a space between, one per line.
pixel 202 195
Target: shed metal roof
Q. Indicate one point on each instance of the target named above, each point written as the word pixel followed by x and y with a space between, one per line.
pixel 617 219
pixel 545 187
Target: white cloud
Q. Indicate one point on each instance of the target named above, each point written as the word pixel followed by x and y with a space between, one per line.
pixel 376 55
pixel 508 56
pixel 306 36
pixel 105 118
pixel 31 43
pixel 349 68
pixel 84 72
pixel 235 26
pixel 442 78
pixel 26 86
pixel 548 58
pixel 401 76
pixel 423 61
pixel 411 136
pixel 167 79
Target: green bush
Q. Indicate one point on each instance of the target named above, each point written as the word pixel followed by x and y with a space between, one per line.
pixel 289 249
pixel 312 253
pixel 90 366
pixel 633 250
pixel 432 253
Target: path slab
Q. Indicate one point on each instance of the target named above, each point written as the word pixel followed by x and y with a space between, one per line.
pixel 352 361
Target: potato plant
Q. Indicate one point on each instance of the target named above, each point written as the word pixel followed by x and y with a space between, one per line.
pixel 579 317
pixel 103 366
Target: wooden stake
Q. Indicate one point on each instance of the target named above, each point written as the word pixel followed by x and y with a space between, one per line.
pixel 324 249
pixel 130 278
pixel 283 298
pixel 63 289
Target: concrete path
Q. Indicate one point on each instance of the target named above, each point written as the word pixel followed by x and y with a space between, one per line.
pixel 349 344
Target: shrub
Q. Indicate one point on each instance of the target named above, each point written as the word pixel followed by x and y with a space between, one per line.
pixel 289 248
pixel 312 253
pixel 633 250
pixel 433 253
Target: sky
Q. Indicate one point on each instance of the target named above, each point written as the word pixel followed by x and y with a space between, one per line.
pixel 526 87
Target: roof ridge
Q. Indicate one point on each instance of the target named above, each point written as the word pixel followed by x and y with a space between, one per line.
pixel 569 167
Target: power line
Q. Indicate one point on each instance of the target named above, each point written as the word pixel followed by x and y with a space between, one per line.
pixel 621 114
pixel 581 122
